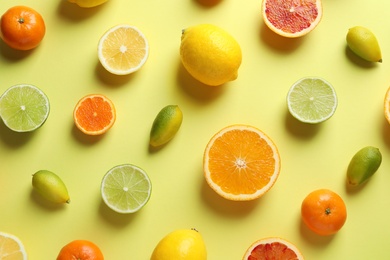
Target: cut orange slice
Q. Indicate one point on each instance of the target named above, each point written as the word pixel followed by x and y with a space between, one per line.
pixel 123 49
pixel 272 248
pixel 387 105
pixel 94 114
pixel 11 247
pixel 241 163
pixel 290 18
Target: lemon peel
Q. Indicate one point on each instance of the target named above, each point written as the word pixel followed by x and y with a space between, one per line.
pixel 210 54
pixel 364 44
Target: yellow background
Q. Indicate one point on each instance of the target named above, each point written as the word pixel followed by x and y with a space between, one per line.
pixel 65 67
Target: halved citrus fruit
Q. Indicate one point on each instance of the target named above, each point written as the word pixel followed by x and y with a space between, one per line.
pixel 24 108
pixel 11 247
pixel 387 105
pixel 312 100
pixel 126 188
pixel 290 18
pixel 123 49
pixel 241 163
pixel 272 248
pixel 94 114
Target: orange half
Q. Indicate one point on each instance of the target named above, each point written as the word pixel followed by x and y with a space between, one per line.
pixel 241 163
pixel 272 248
pixel 290 18
pixel 94 114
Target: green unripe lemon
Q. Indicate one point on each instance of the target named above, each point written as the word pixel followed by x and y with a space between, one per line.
pixel 364 44
pixel 181 244
pixel 363 165
pixel 50 186
pixel 165 125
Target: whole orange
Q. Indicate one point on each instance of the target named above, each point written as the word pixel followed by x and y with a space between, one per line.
pixel 324 212
pixel 80 250
pixel 22 28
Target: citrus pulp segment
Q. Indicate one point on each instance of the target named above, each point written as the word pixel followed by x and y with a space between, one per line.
pixel 312 100
pixel 94 114
pixel 126 188
pixel 290 18
pixel 272 248
pixel 241 163
pixel 24 108
pixel 123 49
pixel 11 247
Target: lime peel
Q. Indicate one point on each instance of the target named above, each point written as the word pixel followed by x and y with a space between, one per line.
pixel 166 124
pixel 363 165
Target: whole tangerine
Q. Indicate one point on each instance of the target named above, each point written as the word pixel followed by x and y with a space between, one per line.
pixel 80 250
pixel 22 28
pixel 324 212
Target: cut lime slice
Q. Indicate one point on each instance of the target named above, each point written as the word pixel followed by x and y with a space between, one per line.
pixel 312 100
pixel 24 108
pixel 126 188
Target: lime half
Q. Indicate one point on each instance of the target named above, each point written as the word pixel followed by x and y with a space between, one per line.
pixel 312 100
pixel 126 188
pixel 24 108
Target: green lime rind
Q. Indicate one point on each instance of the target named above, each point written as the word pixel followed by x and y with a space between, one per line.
pixel 364 44
pixel 50 186
pixel 363 165
pixel 24 108
pixel 166 124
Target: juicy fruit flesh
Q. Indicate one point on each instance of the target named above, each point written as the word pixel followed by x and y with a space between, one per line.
pixel 312 100
pixel 50 186
pixel 94 114
pixel 210 54
pixel 364 44
pixel 166 125
pixel 241 163
pixel 280 15
pixel 363 165
pixel 276 250
pixel 24 108
pixel 181 244
pixel 123 50
pixel 11 247
pixel 126 188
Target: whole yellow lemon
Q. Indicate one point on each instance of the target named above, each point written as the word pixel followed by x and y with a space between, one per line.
pixel 182 244
pixel 88 3
pixel 210 54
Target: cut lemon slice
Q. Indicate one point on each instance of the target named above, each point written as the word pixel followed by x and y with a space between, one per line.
pixel 126 188
pixel 123 49
pixel 11 247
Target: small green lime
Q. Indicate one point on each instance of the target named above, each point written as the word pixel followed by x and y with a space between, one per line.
pixel 165 125
pixel 364 44
pixel 50 186
pixel 363 165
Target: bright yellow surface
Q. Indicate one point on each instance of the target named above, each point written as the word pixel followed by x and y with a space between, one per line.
pixel 65 67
